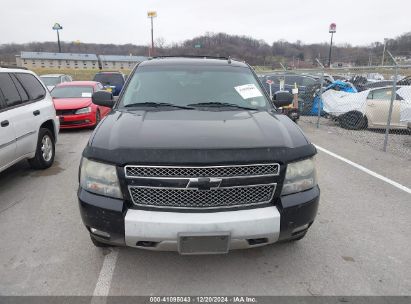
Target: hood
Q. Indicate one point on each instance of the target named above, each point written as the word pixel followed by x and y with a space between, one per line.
pixel 193 136
pixel 71 103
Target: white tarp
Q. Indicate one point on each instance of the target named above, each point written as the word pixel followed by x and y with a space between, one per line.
pixel 405 105
pixel 339 102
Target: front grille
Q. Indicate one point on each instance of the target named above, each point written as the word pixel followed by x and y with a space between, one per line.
pixel 214 171
pixel 65 112
pixel 238 196
pixel 73 122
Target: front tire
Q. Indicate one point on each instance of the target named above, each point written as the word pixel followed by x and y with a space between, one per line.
pixel 353 120
pixel 98 119
pixel 45 150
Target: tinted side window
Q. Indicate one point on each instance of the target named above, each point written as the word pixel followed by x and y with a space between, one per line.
pixel 306 81
pixel 11 96
pixel 1 101
pixel 20 89
pixel 291 80
pixel 32 86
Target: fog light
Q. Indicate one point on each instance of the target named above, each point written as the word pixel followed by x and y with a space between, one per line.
pixel 100 233
pixel 87 121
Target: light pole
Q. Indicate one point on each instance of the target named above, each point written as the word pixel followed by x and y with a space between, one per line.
pixel 332 30
pixel 58 27
pixel 383 52
pixel 151 15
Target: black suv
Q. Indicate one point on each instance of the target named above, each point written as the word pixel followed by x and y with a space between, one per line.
pixel 113 81
pixel 194 158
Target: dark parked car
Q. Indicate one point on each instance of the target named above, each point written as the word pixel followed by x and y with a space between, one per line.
pixel 194 157
pixel 113 81
pixel 290 80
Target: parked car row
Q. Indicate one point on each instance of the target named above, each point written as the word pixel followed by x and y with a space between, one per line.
pixel 112 81
pixel 72 99
pixel 344 99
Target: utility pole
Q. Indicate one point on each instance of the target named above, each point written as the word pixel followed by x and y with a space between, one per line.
pixel 383 52
pixel 332 30
pixel 151 15
pixel 58 27
pixel 393 95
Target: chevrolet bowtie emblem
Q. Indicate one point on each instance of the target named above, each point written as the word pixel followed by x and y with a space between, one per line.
pixel 204 183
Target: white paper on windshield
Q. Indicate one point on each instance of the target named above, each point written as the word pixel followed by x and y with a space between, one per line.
pixel 86 94
pixel 248 91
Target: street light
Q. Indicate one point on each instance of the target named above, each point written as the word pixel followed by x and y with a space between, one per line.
pixel 151 15
pixel 332 30
pixel 58 27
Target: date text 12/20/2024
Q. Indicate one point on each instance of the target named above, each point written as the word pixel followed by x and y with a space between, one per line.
pixel 203 299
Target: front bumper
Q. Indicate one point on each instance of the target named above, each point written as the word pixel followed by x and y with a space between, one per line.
pixel 77 120
pixel 158 230
pixel 161 229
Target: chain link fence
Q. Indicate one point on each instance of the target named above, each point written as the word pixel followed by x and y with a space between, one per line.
pixel 369 105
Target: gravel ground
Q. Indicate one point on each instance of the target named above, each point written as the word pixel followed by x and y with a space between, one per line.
pixel 399 141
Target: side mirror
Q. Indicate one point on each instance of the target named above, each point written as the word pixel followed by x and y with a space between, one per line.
pixel 282 98
pixel 103 98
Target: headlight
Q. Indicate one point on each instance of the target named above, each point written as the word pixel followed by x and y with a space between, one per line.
pixel 300 176
pixel 83 110
pixel 99 178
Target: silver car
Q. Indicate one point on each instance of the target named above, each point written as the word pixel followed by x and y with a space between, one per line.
pixel 51 80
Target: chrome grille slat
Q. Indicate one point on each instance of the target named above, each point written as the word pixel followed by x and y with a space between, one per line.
pixel 238 196
pixel 211 171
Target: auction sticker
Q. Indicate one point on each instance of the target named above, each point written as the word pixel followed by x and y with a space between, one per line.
pixel 248 91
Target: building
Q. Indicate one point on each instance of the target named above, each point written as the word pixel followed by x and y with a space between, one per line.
pixel 115 62
pixel 32 60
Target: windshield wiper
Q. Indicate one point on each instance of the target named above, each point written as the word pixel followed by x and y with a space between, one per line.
pixel 219 105
pixel 156 105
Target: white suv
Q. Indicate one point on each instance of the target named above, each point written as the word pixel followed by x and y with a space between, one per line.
pixel 28 122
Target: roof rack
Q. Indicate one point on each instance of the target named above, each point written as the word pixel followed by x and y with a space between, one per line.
pixel 12 67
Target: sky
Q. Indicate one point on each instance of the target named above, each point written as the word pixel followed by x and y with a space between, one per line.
pixel 359 22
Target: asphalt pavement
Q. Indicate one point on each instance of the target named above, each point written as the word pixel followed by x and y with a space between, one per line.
pixel 359 244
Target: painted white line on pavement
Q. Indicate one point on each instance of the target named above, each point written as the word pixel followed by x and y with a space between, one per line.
pixel 106 274
pixel 368 171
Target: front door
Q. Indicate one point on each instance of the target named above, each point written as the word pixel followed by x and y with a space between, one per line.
pixel 7 135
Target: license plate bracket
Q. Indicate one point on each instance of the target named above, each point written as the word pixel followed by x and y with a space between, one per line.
pixel 203 243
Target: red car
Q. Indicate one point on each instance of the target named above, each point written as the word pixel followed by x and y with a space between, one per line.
pixel 73 104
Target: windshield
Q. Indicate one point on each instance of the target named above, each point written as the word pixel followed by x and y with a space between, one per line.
pixel 72 92
pixel 190 86
pixel 50 81
pixel 111 79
